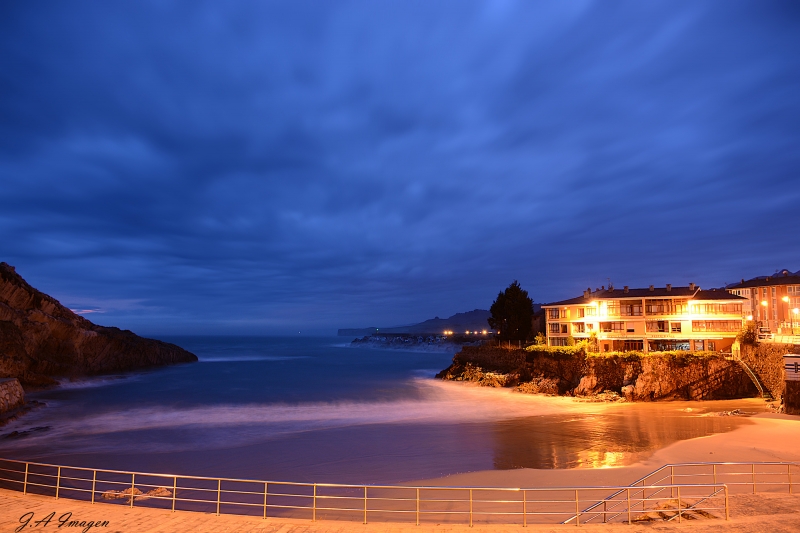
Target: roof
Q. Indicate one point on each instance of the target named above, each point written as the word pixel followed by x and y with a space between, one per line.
pixel 693 293
pixel 768 281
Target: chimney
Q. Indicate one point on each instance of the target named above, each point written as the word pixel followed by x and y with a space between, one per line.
pixel 587 292
pixel 669 287
pixel 652 288
pixel 691 286
pixel 625 288
pixel 602 287
pixel 742 280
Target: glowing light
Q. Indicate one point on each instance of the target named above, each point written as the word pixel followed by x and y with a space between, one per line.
pixel 484 332
pixel 764 303
pixel 749 317
pixel 785 299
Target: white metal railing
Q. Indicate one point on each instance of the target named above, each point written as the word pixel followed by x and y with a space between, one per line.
pixel 768 476
pixel 672 491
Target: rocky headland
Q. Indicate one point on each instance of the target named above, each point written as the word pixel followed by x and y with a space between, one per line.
pixel 573 372
pixel 41 341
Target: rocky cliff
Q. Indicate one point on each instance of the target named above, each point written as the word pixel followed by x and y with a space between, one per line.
pixel 636 378
pixel 41 340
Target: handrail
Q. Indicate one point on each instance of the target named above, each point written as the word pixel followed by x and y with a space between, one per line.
pixel 672 475
pixel 403 500
pixel 753 377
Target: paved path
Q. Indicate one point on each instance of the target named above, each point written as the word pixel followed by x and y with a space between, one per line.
pixel 750 514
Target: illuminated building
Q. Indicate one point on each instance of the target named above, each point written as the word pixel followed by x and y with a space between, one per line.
pixel 652 319
pixel 774 300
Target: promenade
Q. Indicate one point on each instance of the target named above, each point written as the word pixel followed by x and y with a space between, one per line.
pixel 749 514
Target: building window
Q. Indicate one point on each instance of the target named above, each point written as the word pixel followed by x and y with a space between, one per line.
pixel 558 341
pixel 630 327
pixel 580 327
pixel 555 327
pixel 631 308
pixel 630 346
pixel 608 327
pixel 698 345
pixel 675 327
pixel 656 326
pixel 773 291
pixel 712 346
pixel 552 313
pixel 581 312
pixel 563 328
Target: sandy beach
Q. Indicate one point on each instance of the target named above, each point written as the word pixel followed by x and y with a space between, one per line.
pixel 770 437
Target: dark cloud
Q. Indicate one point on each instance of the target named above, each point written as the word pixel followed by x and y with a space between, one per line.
pixel 262 166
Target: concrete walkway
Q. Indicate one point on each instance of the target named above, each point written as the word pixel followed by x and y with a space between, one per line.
pixel 749 514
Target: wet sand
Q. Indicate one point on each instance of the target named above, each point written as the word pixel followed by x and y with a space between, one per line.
pixel 765 438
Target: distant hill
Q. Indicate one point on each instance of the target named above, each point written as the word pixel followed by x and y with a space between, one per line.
pixel 459 323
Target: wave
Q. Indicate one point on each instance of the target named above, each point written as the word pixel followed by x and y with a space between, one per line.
pixel 174 428
pixel 239 358
pixel 90 383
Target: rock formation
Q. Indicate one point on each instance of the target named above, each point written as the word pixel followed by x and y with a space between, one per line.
pixel 41 340
pixel 635 378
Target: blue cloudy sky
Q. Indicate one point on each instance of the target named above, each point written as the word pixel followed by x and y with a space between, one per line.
pixel 267 167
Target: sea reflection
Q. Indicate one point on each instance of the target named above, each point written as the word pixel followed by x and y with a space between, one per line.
pixel 621 436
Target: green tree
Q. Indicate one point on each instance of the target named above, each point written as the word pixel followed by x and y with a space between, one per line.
pixel 511 313
pixel 749 334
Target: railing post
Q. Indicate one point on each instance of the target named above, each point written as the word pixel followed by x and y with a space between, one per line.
pixel 266 488
pixel 605 510
pixel 714 470
pixel 789 472
pixel 417 506
pixel 314 505
pixel 94 483
pixel 174 491
pixel 470 503
pixel 577 509
pixel 365 504
pixel 58 481
pixel 219 494
pixel 25 482
pixel 679 504
pixel 727 516
pixel 524 508
pixel 672 480
pixel 133 486
pixel 754 478
pixel 629 507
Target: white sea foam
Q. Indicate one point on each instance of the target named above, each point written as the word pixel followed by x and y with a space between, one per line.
pixel 225 425
pixel 239 358
pixel 90 383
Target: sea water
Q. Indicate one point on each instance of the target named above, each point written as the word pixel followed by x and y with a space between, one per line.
pixel 318 410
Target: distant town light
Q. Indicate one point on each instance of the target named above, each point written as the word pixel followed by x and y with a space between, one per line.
pixel 484 331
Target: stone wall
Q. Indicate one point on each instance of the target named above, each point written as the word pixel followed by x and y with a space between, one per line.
pixel 11 394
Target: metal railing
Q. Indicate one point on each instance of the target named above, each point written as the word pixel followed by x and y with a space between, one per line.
pixel 735 477
pixel 387 503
